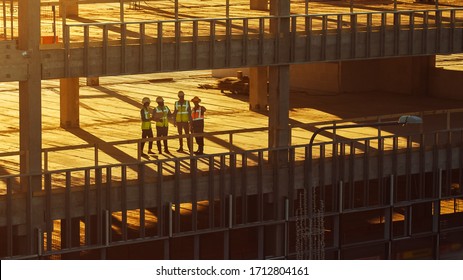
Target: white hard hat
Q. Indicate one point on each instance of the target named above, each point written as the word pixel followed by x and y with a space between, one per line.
pixel 145 100
pixel 159 99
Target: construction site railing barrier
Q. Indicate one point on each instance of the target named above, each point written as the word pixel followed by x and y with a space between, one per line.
pixel 103 207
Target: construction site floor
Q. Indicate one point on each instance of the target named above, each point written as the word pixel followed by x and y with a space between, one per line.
pixel 110 112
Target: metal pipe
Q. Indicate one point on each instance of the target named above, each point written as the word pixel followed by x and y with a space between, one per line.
pixel 439 185
pixel 96 154
pixel 170 219
pixel 403 120
pixel 230 211
pixel 391 193
pixel 107 227
pixel 286 237
pixel 341 183
pixel 45 161
pixel 39 242
pixel 11 19
pixel 121 10
pixel 4 18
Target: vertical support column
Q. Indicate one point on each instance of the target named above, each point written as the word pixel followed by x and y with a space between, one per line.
pixel 279 106
pixel 93 81
pixel 258 89
pixel 69 87
pixel 261 5
pixel 72 7
pixel 279 78
pixel 30 103
pixel 279 133
pixel 69 102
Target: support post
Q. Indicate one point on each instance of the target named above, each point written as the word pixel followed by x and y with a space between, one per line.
pixel 69 102
pixel 30 102
pixel 261 5
pixel 258 89
pixel 72 7
pixel 69 87
pixel 279 132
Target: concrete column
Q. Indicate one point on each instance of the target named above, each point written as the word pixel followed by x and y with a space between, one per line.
pixel 279 134
pixel 279 106
pixel 30 102
pixel 69 7
pixel 261 5
pixel 258 89
pixel 69 87
pixel 279 79
pixel 69 102
pixel 93 81
pixel 30 120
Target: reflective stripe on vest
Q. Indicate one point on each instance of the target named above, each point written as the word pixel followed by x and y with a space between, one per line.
pixel 182 111
pixel 163 122
pixel 197 114
pixel 146 125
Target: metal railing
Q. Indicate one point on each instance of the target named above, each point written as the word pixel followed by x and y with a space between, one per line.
pixel 131 203
pixel 434 120
pixel 306 36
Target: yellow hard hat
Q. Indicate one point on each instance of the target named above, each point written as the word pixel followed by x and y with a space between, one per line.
pixel 145 100
pixel 159 99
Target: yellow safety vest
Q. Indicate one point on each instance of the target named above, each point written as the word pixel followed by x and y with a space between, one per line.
pixel 147 124
pixel 182 111
pixel 162 111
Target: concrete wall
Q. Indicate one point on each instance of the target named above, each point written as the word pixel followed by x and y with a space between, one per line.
pixel 446 84
pixel 408 75
pixel 323 77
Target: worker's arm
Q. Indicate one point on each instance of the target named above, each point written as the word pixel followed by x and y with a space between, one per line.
pixel 189 112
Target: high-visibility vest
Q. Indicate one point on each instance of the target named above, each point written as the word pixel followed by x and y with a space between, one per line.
pixel 197 114
pixel 182 111
pixel 146 124
pixel 164 111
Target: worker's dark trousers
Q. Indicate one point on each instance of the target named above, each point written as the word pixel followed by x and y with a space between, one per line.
pixel 183 126
pixel 162 131
pixel 147 133
pixel 198 127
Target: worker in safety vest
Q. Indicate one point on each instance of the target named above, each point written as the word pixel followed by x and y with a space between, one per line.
pixel 161 115
pixel 197 123
pixel 146 130
pixel 182 119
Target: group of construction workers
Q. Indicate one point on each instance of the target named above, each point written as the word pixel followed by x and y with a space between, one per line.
pixel 185 118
